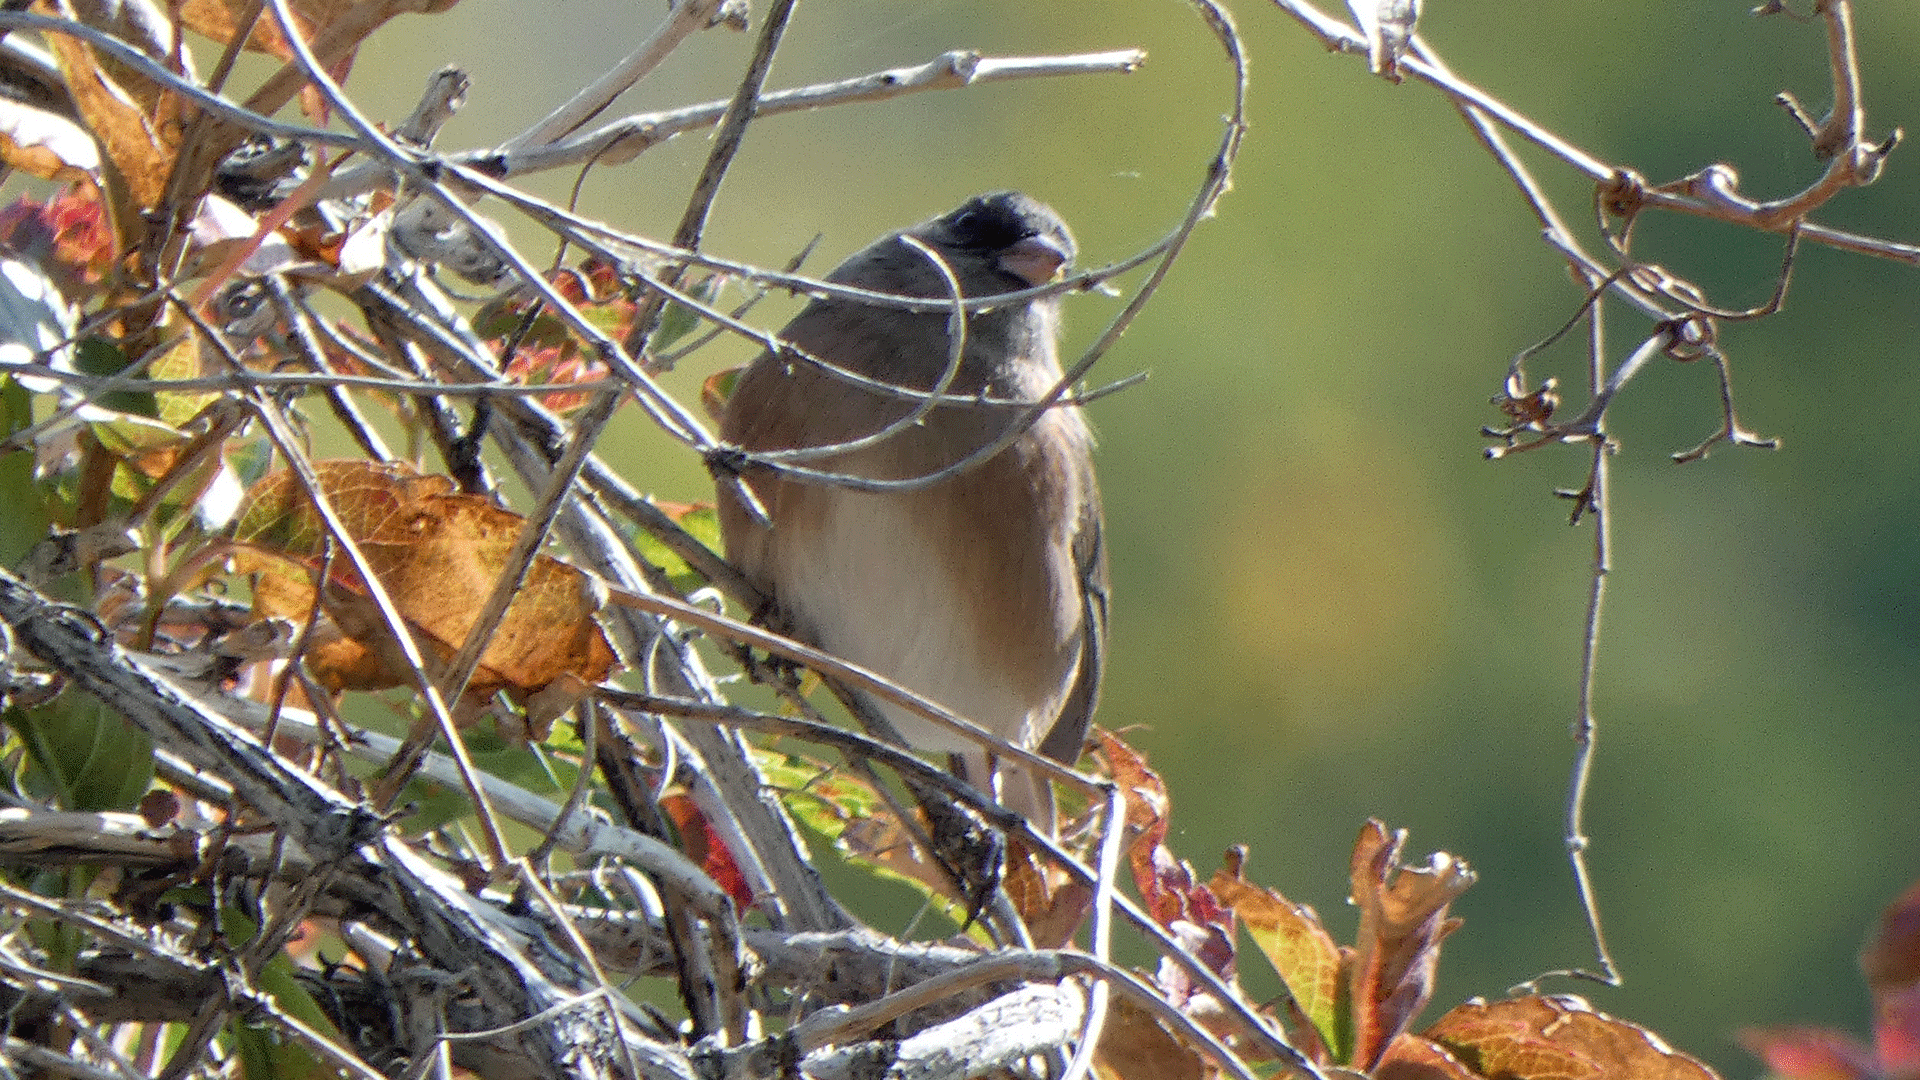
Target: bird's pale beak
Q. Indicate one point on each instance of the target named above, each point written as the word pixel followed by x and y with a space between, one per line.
pixel 1035 260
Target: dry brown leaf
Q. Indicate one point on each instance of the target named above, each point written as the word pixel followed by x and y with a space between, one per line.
pixel 1168 885
pixel 1052 904
pixel 284 589
pixel 1403 917
pixel 136 125
pixel 1144 795
pixel 1557 1038
pixel 333 30
pixel 143 25
pixel 880 839
pixel 1415 1057
pixel 45 144
pixel 220 19
pixel 438 552
pixel 1133 1046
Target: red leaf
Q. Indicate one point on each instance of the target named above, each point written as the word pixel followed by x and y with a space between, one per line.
pixel 1403 917
pixel 706 848
pixel 1891 961
pixel 1896 1030
pixel 1810 1053
pixel 1188 910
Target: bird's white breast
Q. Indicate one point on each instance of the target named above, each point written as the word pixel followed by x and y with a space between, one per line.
pixel 864 583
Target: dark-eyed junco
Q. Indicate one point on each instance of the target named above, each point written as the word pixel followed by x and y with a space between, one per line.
pixel 986 592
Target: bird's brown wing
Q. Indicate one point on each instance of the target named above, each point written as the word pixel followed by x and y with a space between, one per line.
pixel 1067 738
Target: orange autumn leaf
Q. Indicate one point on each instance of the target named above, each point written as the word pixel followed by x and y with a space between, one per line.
pixel 1414 1057
pixel 438 552
pixel 137 127
pixel 716 389
pixel 1557 1038
pixel 1134 1046
pixel 332 29
pixel 220 19
pixel 1403 918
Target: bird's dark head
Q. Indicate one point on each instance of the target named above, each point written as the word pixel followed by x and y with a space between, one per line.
pixel 1019 236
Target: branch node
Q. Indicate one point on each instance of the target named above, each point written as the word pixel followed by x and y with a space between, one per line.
pixel 732 15
pixel 1778 7
pixel 1623 194
pixel 1800 115
pixel 1870 158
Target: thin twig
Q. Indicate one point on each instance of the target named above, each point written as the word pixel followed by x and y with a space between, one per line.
pixel 682 21
pixel 198 95
pixel 956 351
pixel 662 407
pixel 626 138
pixel 1711 193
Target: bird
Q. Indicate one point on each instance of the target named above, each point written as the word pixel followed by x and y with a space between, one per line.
pixel 986 591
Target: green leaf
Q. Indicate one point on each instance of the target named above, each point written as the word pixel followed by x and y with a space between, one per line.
pixel 127 436
pixel 83 756
pixel 263 1053
pixel 26 521
pixel 700 522
pixel 250 459
pixel 679 320
pixel 826 804
pixel 820 800
pixel 16 405
pixel 98 356
pixel 527 766
pixel 181 360
pixel 125 433
pixel 503 321
pixel 1301 951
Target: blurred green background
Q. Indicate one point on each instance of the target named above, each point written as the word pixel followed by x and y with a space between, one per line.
pixel 1328 606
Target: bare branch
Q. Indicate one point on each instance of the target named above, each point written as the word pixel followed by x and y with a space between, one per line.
pixel 682 21
pixel 624 139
